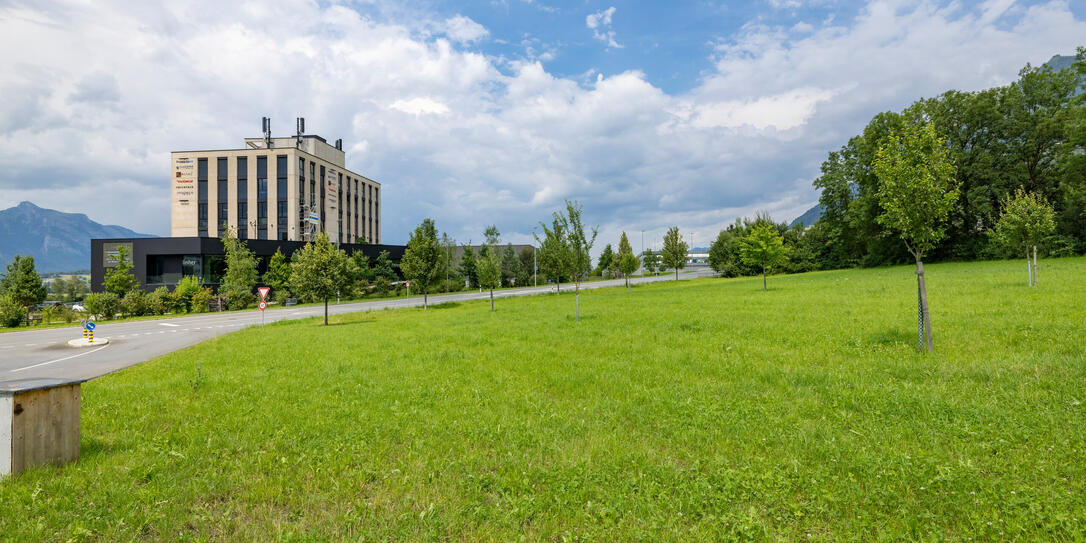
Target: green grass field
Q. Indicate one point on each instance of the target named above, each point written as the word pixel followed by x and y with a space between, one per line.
pixel 699 410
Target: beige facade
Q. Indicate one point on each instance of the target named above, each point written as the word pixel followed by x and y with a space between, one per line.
pixel 289 190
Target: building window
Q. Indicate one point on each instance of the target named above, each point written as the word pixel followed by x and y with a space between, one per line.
pixel 323 182
pixel 281 196
pixel 243 197
pixel 312 182
pixel 202 207
pixel 224 222
pixel 261 197
pixel 339 209
pixel 201 194
pixel 301 181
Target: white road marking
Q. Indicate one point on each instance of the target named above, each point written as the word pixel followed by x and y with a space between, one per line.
pixel 30 345
pixel 59 359
pixel 168 324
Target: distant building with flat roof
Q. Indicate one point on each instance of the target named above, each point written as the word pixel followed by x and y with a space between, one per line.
pixel 286 189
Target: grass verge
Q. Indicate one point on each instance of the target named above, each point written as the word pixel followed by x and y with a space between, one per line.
pixel 698 410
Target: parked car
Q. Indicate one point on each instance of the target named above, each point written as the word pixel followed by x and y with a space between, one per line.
pixel 77 307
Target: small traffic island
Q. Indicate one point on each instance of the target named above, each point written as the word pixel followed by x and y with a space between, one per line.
pixel 84 342
pixel 39 423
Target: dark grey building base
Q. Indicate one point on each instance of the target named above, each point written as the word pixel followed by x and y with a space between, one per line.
pixel 158 262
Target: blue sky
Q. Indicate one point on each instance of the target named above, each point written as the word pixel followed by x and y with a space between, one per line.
pixel 493 112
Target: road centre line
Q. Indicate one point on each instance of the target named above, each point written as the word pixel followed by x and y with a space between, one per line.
pixel 168 324
pixel 60 359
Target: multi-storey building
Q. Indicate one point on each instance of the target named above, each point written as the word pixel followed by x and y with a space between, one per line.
pixel 284 189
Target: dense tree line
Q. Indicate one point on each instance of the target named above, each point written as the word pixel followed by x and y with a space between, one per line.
pixel 1029 136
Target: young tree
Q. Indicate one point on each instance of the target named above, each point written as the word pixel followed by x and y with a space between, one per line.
pixel 764 247
pixel 119 279
pixel 510 265
pixel 1025 221
pixel 526 259
pixel 491 236
pixel 278 275
pixel 490 273
pixel 22 284
pixel 579 247
pixel 675 250
pixel 467 266
pixel 917 191
pixel 319 271
pixel 421 264
pixel 240 277
pixel 553 258
pixel 606 258
pixel 627 262
pixel 651 260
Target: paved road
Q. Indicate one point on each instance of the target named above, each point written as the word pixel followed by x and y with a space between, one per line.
pixel 45 353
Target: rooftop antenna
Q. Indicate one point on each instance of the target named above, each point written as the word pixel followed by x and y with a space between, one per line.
pixel 300 122
pixel 267 132
pixel 339 144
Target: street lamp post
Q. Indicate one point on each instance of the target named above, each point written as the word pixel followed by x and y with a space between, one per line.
pixel 642 253
pixel 535 267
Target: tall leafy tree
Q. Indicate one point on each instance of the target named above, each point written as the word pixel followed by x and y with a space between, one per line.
pixel 22 285
pixel 510 265
pixel 554 255
pixel 467 266
pixel 917 191
pixel 606 256
pixel 241 275
pixel 626 260
pixel 675 250
pixel 119 279
pixel 278 275
pixel 1027 219
pixel 489 272
pixel 423 258
pixel 319 271
pixel 652 261
pixel 526 259
pixel 764 247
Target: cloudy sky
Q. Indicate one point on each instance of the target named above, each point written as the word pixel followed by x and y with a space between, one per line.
pixel 649 113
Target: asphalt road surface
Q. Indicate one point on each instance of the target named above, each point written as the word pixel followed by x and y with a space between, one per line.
pixel 45 353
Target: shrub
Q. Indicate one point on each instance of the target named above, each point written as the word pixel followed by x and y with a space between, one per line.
pixel 238 299
pixel 50 314
pixel 200 301
pixel 161 301
pixel 102 304
pixel 68 314
pixel 138 303
pixel 186 289
pixel 11 313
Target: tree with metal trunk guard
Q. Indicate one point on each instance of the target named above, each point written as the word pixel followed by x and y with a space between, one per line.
pixel 917 191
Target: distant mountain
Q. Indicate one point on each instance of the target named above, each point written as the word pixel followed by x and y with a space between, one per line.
pixel 58 241
pixel 808 217
pixel 1063 62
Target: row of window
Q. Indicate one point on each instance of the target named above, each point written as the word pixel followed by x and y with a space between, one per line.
pixel 354 228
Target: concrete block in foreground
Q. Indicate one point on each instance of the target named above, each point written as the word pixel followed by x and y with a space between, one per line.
pixel 39 423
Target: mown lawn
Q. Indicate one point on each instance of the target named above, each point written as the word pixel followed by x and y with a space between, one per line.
pixel 699 410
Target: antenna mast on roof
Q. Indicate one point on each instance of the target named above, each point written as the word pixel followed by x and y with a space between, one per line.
pixel 266 126
pixel 300 122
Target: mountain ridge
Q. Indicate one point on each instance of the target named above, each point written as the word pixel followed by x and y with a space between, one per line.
pixel 58 241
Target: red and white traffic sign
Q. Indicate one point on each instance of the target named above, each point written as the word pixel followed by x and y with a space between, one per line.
pixel 263 293
pixel 262 305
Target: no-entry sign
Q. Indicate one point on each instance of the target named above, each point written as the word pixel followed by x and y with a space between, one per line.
pixel 263 293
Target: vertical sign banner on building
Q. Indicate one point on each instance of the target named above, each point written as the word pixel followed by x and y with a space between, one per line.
pixel 331 203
